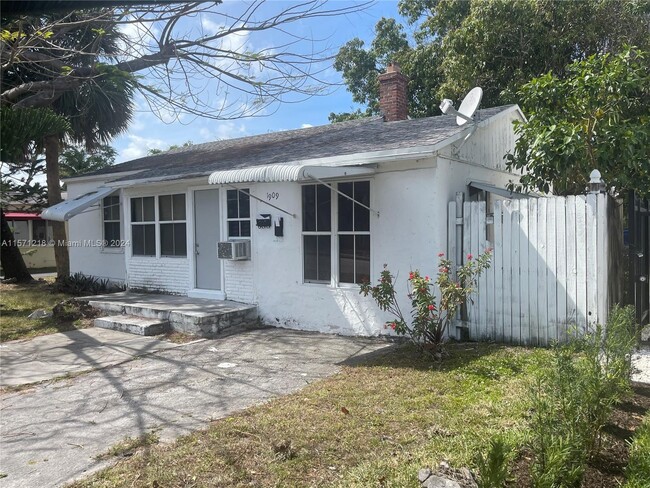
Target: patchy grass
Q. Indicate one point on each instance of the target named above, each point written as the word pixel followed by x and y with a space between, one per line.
pixel 130 445
pixel 19 300
pixel 374 424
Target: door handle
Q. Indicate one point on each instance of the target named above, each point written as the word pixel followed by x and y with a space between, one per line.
pixel 196 249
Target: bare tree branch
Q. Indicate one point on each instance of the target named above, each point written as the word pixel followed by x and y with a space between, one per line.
pixel 186 68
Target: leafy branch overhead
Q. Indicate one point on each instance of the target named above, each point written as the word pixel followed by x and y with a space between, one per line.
pixel 496 44
pixel 595 116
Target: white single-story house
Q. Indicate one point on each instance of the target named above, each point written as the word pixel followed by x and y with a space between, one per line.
pixel 308 213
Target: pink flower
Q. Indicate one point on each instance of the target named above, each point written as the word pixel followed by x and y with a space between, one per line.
pixel 431 307
pixel 444 270
pixel 411 275
pixel 488 250
pixel 469 257
pixel 426 278
pixel 393 325
pixel 441 254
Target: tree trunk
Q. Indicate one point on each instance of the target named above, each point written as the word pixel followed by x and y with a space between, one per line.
pixel 11 259
pixel 54 197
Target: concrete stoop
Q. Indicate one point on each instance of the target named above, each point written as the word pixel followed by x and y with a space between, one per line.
pixel 152 314
pixel 133 325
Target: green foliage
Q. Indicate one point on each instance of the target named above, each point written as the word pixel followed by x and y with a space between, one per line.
pixel 638 468
pixel 21 136
pixel 493 466
pixel 430 316
pixel 20 130
pixel 75 160
pixel 496 44
pixel 79 284
pixel 596 116
pixel 574 396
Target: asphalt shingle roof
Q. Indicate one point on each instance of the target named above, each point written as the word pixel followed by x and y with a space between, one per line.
pixel 344 138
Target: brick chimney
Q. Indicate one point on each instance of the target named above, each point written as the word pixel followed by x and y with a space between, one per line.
pixel 393 100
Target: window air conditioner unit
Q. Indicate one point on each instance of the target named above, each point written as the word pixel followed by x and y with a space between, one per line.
pixel 234 250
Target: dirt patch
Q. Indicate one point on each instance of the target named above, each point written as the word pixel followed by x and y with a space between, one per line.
pixel 607 468
pixel 72 309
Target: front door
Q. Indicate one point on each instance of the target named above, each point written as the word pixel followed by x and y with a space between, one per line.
pixel 206 236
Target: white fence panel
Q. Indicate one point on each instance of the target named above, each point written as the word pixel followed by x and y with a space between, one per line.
pixel 549 272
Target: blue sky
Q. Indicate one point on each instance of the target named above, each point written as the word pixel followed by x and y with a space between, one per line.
pixel 147 131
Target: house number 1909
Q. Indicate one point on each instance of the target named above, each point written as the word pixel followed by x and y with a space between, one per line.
pixel 272 196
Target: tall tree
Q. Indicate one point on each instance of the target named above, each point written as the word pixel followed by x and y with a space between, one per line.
pixel 595 116
pixel 496 44
pixel 21 139
pixel 76 160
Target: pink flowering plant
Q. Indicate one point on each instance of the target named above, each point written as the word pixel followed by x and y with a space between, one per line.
pixel 431 314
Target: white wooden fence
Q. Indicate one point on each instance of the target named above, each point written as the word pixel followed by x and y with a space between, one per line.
pixel 551 270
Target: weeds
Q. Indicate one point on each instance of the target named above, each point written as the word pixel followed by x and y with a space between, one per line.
pixel 574 396
pixel 638 468
pixel 79 284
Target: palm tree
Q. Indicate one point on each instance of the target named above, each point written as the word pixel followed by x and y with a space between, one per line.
pixel 21 132
pixel 98 111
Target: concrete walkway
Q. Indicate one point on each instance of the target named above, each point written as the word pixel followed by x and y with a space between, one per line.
pixel 52 432
pixel 50 356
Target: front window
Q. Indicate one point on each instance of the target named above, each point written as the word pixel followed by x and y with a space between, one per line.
pixel 173 235
pixel 239 213
pixel 350 233
pixel 317 233
pixel 111 215
pixel 143 226
pixel 354 232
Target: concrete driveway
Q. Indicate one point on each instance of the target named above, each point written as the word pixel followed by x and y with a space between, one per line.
pixel 52 432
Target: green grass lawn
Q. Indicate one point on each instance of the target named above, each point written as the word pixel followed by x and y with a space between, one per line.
pixel 374 424
pixel 18 301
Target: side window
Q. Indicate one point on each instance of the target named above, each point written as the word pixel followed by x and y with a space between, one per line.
pixel 143 227
pixel 239 213
pixel 317 233
pixel 111 216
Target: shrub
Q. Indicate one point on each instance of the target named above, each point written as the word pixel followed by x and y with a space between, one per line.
pixel 79 284
pixel 575 395
pixel 430 315
pixel 638 468
pixel 493 466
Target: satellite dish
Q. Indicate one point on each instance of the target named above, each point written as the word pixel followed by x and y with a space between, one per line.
pixel 469 105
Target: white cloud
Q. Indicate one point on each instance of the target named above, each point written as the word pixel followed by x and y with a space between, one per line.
pixel 306 126
pixel 223 130
pixel 139 146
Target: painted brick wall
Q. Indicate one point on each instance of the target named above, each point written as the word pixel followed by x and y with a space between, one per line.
pixel 239 281
pixel 171 275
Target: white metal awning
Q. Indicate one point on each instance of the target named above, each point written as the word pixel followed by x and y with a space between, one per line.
pixel 479 185
pixel 69 208
pixel 274 173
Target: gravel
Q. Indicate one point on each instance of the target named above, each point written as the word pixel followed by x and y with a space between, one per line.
pixel 641 364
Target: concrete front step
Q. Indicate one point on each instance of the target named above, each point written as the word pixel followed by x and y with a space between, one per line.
pixel 133 325
pixel 197 316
